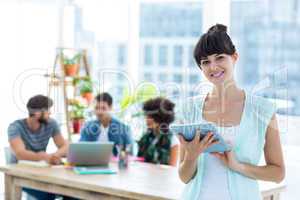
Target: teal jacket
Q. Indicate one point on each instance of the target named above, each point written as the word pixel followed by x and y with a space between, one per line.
pixel 249 146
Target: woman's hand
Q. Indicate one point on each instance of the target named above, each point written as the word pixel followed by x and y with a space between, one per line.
pixel 195 147
pixel 228 158
pixel 189 152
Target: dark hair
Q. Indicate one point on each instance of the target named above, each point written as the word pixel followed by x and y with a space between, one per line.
pixel 161 110
pixel 215 41
pixel 38 103
pixel 106 97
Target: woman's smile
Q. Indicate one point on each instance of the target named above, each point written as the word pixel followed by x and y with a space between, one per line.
pixel 217 74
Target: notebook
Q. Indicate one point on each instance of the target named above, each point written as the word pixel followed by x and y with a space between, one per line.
pixel 94 170
pixel 41 163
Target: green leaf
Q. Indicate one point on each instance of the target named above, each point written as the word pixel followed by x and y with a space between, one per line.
pixel 69 61
pixel 145 92
pixel 125 103
pixel 86 85
pixel 142 94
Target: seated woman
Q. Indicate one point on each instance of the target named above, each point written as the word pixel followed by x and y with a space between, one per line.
pixel 158 144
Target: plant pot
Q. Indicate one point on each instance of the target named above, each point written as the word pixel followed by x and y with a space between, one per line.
pixel 88 96
pixel 71 69
pixel 77 124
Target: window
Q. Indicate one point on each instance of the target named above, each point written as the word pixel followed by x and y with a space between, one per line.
pixel 194 78
pixel 177 78
pixel 170 19
pixel 162 77
pixel 175 93
pixel 28 48
pixel 178 55
pixel 107 47
pixel 191 61
pixel 263 59
pixel 170 27
pixel 191 93
pixel 122 55
pixel 148 55
pixel 148 77
pixel 162 55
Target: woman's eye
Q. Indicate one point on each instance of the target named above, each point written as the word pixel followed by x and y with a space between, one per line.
pixel 220 57
pixel 204 62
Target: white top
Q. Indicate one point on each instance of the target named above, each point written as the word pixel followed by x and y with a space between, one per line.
pixel 215 181
pixel 103 137
pixel 174 141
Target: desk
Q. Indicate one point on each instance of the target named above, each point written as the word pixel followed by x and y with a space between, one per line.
pixel 141 181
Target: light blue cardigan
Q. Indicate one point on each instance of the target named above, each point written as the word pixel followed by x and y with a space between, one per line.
pixel 248 148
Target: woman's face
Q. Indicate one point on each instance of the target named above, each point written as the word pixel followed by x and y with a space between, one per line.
pixel 219 68
pixel 151 124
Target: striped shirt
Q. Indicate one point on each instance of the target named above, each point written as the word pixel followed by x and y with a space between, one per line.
pixel 33 140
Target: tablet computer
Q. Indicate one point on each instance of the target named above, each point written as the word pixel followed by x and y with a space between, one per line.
pixel 188 131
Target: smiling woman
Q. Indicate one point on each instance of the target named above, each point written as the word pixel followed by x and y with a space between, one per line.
pixel 216 57
pixel 234 173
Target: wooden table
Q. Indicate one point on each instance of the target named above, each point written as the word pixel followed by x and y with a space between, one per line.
pixel 140 181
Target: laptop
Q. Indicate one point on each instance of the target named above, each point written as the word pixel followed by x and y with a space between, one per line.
pixel 90 153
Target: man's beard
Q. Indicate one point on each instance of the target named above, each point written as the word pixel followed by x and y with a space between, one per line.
pixel 103 116
pixel 42 120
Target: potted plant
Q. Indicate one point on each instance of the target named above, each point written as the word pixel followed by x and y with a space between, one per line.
pixel 86 89
pixel 71 65
pixel 77 115
pixel 131 102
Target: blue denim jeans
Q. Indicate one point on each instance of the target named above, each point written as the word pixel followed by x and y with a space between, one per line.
pixel 40 195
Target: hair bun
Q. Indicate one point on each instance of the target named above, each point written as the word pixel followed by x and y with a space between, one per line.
pixel 217 28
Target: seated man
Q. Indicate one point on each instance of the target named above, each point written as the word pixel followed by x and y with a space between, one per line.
pixel 29 137
pixel 106 128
